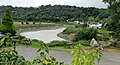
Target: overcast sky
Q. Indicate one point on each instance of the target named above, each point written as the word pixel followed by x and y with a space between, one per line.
pixel 36 3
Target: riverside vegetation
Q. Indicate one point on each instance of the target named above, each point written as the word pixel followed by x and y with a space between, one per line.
pixel 56 13
pixel 83 34
pixel 81 56
pixel 9 55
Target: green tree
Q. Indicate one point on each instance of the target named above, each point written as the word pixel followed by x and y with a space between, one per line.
pixel 106 21
pixel 114 9
pixel 91 18
pixel 56 13
pixel 85 34
pixel 83 17
pixel 84 57
pixel 7 23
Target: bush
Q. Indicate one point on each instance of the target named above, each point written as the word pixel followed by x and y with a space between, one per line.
pixel 81 25
pixel 7 24
pixel 83 42
pixel 6 29
pixel 10 56
pixel 27 22
pixel 33 22
pixel 85 34
pixel 34 43
pixel 84 57
pixel 84 25
pixel 35 40
pixel 69 30
pixel 56 43
pixel 22 22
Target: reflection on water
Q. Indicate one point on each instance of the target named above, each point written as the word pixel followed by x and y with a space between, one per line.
pixel 44 35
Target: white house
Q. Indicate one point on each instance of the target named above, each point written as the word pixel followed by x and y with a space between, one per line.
pixel 95 25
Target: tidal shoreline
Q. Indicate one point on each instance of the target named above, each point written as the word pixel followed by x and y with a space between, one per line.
pixel 65 36
pixel 39 28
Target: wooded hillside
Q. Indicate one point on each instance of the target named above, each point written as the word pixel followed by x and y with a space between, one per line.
pixel 56 13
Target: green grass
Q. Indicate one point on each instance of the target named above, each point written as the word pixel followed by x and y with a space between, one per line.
pixel 37 44
pixel 24 26
pixel 55 43
pixel 33 44
pixel 61 49
pixel 20 26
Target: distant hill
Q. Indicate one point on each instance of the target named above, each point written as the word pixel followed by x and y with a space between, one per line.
pixel 56 13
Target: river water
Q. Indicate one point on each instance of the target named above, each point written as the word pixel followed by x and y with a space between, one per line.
pixel 108 58
pixel 44 35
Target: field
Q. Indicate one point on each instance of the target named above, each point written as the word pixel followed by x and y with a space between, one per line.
pixel 26 26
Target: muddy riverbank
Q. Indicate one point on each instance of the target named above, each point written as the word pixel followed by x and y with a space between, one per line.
pixel 39 28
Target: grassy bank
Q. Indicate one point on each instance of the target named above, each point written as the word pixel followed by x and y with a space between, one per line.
pixel 30 26
pixel 82 34
pixel 53 45
pixel 33 44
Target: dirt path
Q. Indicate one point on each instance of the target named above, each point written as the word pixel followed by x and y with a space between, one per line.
pixel 109 58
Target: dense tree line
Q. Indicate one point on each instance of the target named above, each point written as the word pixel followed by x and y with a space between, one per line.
pixel 114 25
pixel 56 13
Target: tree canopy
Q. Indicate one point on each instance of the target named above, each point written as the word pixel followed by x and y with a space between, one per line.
pixel 114 9
pixel 7 23
pixel 55 13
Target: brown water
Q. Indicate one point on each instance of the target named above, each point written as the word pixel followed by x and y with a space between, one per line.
pixel 44 35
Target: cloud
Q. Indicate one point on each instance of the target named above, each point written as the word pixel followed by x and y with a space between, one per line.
pixel 36 3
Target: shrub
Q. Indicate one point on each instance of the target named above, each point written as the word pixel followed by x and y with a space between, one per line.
pixel 83 57
pixel 33 22
pixel 81 25
pixel 83 42
pixel 6 29
pixel 69 30
pixel 27 22
pixel 85 34
pixel 22 22
pixel 84 25
pixel 77 26
pixel 7 24
pixel 36 43
pixel 57 43
pixel 80 56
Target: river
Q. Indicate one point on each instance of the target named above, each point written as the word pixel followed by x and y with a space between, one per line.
pixel 108 58
pixel 44 35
